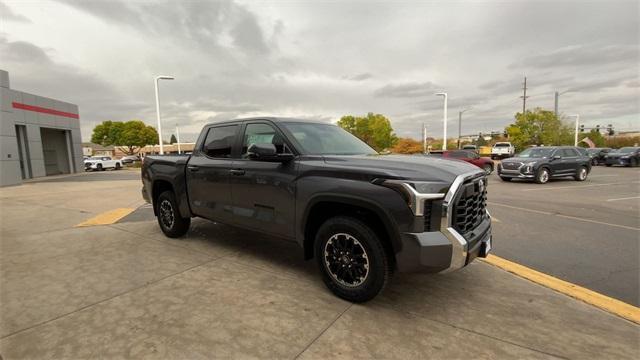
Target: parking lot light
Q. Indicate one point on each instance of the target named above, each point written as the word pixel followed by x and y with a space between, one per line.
pixel 444 138
pixel 161 77
pixel 577 116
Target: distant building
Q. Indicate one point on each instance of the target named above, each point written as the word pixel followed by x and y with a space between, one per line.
pixel 91 149
pixel 38 136
pixel 168 149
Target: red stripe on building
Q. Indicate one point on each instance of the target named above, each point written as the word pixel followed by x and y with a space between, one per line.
pixel 17 105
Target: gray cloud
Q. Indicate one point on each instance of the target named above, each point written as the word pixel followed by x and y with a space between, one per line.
pixel 582 56
pixel 358 77
pixel 407 90
pixel 6 14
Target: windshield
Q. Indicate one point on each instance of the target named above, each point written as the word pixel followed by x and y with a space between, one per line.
pixel 327 139
pixel 536 153
pixel 626 150
pixel 502 145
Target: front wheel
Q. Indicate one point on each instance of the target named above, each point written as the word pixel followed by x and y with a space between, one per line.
pixel 352 259
pixel 488 169
pixel 118 166
pixel 542 176
pixel 99 167
pixel 171 222
pixel 581 174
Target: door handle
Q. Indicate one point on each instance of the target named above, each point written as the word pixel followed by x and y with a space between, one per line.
pixel 193 168
pixel 236 172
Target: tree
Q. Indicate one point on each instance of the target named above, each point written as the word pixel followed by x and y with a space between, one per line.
pixel 407 146
pixel 130 136
pixel 173 139
pixel 374 129
pixel 539 127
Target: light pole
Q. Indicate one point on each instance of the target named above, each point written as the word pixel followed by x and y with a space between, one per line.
pixel 178 137
pixel 161 77
pixel 460 124
pixel 555 102
pixel 575 141
pixel 444 140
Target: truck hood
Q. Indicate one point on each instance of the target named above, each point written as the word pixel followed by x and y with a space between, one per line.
pixel 419 168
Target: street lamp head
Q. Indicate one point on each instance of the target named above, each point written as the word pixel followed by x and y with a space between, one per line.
pixel 441 94
pixel 164 77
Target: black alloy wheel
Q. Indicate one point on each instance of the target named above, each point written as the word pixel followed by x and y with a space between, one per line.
pixel 171 222
pixel 352 259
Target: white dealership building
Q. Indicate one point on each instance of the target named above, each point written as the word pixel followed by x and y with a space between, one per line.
pixel 39 136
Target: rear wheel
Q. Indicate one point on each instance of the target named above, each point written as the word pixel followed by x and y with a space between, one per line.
pixel 171 222
pixel 118 166
pixel 581 174
pixel 352 259
pixel 488 169
pixel 99 167
pixel 542 176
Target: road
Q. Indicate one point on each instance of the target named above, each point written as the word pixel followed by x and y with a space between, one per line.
pixel 587 233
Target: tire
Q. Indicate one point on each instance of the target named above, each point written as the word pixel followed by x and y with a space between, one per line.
pixel 504 178
pixel 581 174
pixel 633 162
pixel 488 169
pixel 542 176
pixel 99 167
pixel 118 166
pixel 355 244
pixel 171 223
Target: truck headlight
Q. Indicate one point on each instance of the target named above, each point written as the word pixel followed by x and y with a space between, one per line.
pixel 416 193
pixel 528 167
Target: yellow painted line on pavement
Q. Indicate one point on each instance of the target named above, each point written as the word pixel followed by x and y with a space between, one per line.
pixel 598 300
pixel 107 218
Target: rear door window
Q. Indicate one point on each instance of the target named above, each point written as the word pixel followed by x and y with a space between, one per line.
pixel 569 153
pixel 219 141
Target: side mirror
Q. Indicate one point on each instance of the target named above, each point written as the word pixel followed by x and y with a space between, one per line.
pixel 267 152
pixel 556 157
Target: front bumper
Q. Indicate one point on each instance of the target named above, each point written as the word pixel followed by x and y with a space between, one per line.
pixel 445 251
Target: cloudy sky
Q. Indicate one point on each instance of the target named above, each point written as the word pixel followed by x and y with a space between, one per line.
pixel 325 59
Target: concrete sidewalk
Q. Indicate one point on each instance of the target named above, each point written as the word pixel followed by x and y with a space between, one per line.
pixel 124 290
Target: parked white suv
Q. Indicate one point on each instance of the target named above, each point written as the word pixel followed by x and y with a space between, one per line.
pixel 100 163
pixel 501 150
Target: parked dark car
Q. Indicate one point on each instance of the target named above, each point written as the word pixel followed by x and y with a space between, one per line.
pixel 360 214
pixel 626 156
pixel 597 155
pixel 469 156
pixel 541 164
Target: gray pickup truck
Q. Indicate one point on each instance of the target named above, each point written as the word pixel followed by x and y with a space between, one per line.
pixel 361 215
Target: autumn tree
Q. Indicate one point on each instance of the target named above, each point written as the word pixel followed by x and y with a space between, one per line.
pixel 407 146
pixel 130 136
pixel 374 129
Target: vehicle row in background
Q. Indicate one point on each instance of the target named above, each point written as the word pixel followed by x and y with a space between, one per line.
pixel 626 156
pixel 541 164
pixel 597 155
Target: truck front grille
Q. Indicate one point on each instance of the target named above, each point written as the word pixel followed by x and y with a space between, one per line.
pixel 469 209
pixel 511 165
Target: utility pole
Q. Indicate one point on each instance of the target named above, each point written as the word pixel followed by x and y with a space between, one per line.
pixel 524 98
pixel 444 136
pixel 555 104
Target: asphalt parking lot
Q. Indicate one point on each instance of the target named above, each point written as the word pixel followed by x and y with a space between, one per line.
pixel 587 233
pixel 124 290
